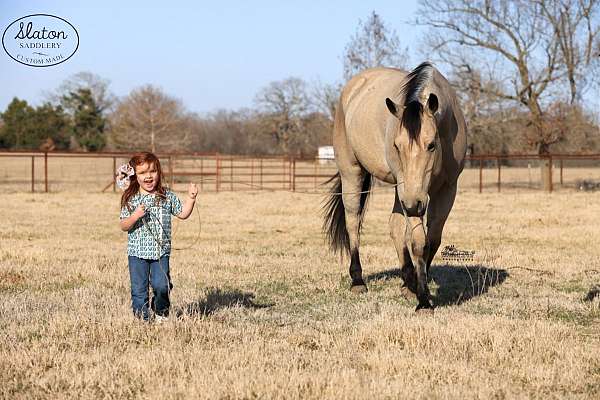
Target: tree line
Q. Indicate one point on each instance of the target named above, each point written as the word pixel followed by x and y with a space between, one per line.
pixel 521 68
pixel 81 114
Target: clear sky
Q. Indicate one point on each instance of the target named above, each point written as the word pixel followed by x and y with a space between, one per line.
pixel 208 54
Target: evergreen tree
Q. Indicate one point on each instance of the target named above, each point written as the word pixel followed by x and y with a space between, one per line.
pixel 51 122
pixel 15 130
pixel 87 120
pixel 25 127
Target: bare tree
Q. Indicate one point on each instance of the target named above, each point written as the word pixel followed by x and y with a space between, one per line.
pixel 325 97
pixel 373 45
pixel 230 132
pixel 150 119
pixel 575 28
pixel 490 121
pixel 97 85
pixel 283 104
pixel 513 44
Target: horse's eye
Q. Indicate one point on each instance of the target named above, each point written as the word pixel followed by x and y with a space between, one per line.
pixel 431 146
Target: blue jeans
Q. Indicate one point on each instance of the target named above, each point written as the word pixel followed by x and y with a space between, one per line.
pixel 143 273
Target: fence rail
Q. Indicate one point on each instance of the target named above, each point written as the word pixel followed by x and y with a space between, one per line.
pixel 218 172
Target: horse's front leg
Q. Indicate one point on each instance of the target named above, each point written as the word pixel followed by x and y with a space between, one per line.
pixel 416 242
pixel 397 232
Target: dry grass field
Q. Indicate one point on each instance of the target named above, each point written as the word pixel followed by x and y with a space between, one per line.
pixel 264 311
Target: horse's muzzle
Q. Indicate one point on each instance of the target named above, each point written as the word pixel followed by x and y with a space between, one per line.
pixel 414 206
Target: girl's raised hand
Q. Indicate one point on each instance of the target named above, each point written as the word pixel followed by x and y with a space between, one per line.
pixel 193 191
pixel 140 211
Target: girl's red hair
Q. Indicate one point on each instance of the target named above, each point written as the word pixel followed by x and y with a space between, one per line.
pixel 134 186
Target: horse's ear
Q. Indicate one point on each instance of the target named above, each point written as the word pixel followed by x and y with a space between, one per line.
pixel 393 107
pixel 432 103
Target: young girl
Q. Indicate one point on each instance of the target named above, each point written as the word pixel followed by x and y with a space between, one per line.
pixel 146 209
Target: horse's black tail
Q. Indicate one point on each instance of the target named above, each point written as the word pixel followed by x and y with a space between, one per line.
pixel 334 215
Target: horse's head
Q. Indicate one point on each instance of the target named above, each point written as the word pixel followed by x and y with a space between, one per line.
pixel 414 145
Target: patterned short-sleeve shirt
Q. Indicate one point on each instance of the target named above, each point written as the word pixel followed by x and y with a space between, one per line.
pixel 150 237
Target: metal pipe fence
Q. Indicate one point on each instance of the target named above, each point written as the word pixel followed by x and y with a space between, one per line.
pixel 64 171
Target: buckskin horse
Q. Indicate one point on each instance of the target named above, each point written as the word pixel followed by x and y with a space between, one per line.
pixel 406 129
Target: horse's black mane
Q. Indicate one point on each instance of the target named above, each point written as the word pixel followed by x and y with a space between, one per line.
pixel 411 92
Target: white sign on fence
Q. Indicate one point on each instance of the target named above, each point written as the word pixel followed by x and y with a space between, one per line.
pixel 326 154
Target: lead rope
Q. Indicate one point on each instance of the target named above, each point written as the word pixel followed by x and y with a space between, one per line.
pixel 159 242
pixel 314 192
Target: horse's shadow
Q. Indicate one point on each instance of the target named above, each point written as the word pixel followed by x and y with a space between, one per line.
pixel 217 299
pixel 455 284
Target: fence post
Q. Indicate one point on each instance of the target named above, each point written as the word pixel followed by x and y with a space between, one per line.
pixel 252 173
pixel 46 171
pixel 561 172
pixel 315 172
pixel 261 174
pixel 114 174
pixel 171 172
pixel 32 174
pixel 550 174
pixel 201 174
pixel 293 169
pixel 480 175
pixel 231 173
pixel 499 181
pixel 218 160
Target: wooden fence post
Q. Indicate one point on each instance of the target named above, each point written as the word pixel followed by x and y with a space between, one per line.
pixel 231 173
pixel 201 174
pixel 480 175
pixel 499 181
pixel 283 172
pixel 315 172
pixel 550 174
pixel 561 172
pixel 218 165
pixel 171 172
pixel 261 174
pixel 114 174
pixel 252 173
pixel 32 174
pixel 293 174
pixel 46 171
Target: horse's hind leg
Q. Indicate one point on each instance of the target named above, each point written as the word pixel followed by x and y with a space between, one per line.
pixel 352 183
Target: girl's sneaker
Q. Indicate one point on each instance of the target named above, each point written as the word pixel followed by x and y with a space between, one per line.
pixel 159 319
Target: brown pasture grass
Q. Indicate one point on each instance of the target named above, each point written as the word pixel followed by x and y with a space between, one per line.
pixel 264 309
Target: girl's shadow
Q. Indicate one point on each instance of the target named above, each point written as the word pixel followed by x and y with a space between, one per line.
pixel 217 299
pixel 455 284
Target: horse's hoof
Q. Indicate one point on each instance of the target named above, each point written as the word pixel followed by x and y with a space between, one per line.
pixel 407 294
pixel 359 289
pixel 424 310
